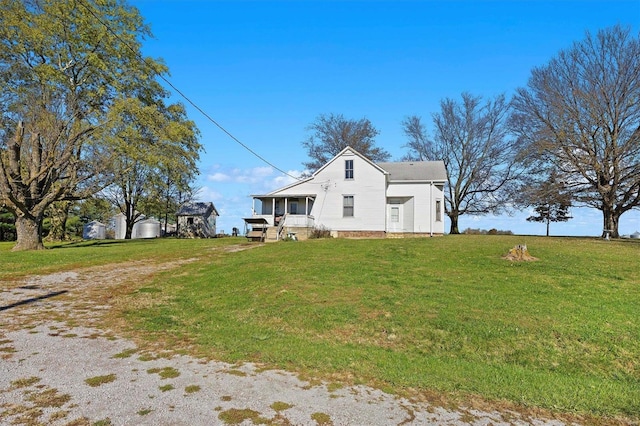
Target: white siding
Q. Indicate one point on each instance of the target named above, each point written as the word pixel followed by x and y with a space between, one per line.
pixel 329 183
pixel 421 205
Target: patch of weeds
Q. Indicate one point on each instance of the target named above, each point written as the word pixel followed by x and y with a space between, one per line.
pixel 147 357
pixel 8 349
pixel 49 398
pixel 322 419
pixel 69 335
pixel 166 388
pixel 165 373
pixel 5 341
pixel 280 406
pixel 236 373
pixel 468 418
pixel 58 415
pixel 235 416
pixel 100 380
pixel 226 398
pixel 332 387
pixel 13 409
pixel 103 422
pixel 125 354
pixel 30 416
pixel 144 411
pixel 192 389
pixel 23 383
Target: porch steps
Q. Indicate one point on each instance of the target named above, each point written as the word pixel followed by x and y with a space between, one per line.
pixel 272 234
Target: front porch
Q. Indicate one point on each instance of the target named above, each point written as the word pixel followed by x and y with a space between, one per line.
pixel 277 217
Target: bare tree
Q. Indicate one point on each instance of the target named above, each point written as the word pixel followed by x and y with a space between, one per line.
pixel 580 115
pixel 471 138
pixel 332 133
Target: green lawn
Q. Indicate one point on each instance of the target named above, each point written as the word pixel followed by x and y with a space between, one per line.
pixel 431 314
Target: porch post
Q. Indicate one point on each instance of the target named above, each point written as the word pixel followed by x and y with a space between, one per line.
pixel 273 209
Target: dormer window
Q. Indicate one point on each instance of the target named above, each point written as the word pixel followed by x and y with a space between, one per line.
pixel 348 169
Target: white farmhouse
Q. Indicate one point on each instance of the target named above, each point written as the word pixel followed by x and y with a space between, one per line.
pixel 353 197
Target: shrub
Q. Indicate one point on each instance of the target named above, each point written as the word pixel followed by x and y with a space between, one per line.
pixel 320 232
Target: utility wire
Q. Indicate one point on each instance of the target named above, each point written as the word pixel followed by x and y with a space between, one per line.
pixel 139 57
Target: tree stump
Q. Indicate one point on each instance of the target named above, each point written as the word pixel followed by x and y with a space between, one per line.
pixel 519 253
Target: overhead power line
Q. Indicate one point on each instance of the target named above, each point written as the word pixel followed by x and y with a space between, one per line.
pixel 178 91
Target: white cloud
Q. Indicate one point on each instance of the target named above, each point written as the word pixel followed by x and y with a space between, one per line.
pixel 218 177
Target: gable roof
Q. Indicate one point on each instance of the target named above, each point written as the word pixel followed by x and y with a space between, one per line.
pixel 416 171
pixel 197 209
pixel 353 151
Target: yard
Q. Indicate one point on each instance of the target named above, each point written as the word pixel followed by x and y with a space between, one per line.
pixel 442 318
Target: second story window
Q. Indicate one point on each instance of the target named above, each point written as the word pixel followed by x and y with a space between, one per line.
pixel 348 169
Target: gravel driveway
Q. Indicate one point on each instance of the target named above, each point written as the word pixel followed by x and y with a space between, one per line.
pixel 59 366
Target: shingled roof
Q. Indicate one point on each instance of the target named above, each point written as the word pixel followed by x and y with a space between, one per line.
pixel 197 209
pixel 415 171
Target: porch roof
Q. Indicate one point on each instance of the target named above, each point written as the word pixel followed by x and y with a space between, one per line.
pixel 284 196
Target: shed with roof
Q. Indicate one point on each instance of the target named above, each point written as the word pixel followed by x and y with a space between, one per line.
pixel 197 220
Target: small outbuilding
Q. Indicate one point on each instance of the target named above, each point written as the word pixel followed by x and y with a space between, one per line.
pixel 197 220
pixel 94 230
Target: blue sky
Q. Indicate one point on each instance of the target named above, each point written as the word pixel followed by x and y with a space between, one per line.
pixel 265 70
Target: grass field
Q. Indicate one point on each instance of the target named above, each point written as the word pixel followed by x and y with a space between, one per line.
pixel 418 316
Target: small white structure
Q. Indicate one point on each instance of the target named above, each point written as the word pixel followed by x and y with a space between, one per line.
pixel 144 228
pixel 351 196
pixel 94 230
pixel 119 226
pixel 147 228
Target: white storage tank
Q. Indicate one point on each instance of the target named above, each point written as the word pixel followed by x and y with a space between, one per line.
pixel 94 230
pixel 148 228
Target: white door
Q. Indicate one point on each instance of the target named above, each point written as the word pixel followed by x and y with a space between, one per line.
pixel 394 218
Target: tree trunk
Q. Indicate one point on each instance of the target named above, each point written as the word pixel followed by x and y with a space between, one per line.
pixel 548 222
pixel 454 223
pixel 28 232
pixel 610 222
pixel 129 229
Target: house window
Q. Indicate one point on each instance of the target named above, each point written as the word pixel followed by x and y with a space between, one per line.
pixel 293 207
pixel 347 206
pixel 438 210
pixel 348 169
pixel 189 221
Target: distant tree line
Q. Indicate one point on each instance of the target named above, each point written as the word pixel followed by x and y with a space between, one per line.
pixel 571 137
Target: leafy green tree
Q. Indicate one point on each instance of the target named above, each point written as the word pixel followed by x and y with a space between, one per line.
pixel 7 225
pixel 157 150
pixel 94 208
pixel 332 133
pixel 62 74
pixel 58 214
pixel 472 139
pixel 580 115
